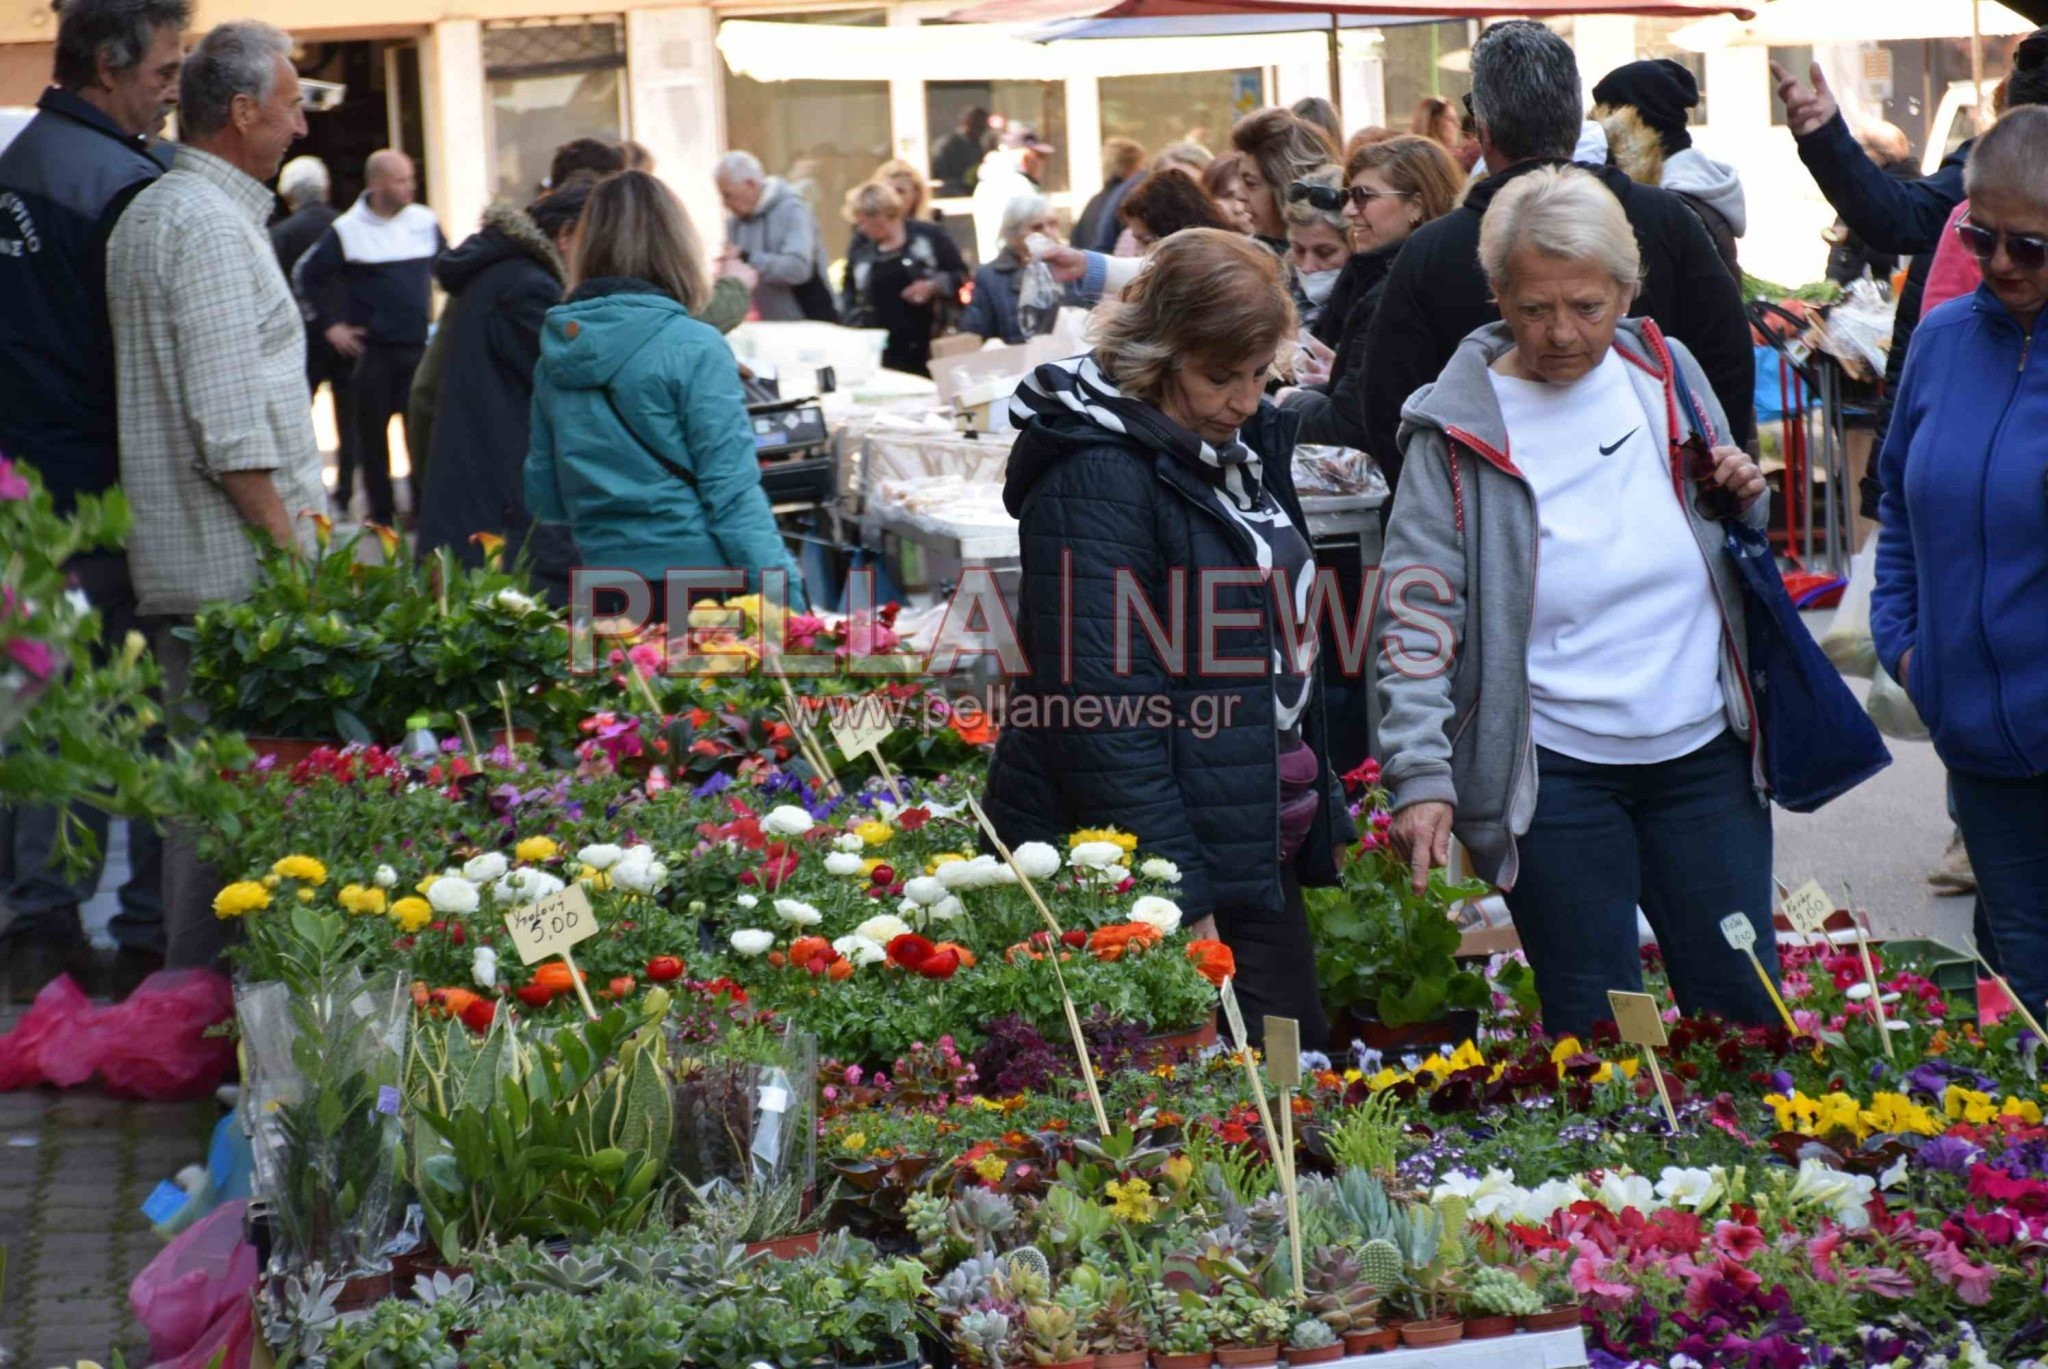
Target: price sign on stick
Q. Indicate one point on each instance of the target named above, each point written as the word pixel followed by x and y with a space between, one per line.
pixel 1741 934
pixel 1808 908
pixel 859 733
pixel 549 927
pixel 1283 1067
pixel 1283 1160
pixel 1642 1025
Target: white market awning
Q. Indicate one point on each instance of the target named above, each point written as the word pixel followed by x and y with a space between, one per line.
pixel 1808 23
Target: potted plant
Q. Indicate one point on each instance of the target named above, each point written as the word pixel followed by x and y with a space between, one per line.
pixel 1311 1342
pixel 1344 1292
pixel 874 1321
pixel 1560 1303
pixel 1431 1251
pixel 1249 1326
pixel 1052 1337
pixel 1116 1327
pixel 1495 1301
pixel 1179 1330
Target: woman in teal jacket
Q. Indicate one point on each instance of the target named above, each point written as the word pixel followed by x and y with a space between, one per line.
pixel 641 441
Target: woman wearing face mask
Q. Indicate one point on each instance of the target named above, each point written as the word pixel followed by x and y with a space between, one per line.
pixel 1392 188
pixel 1564 672
pixel 1153 462
pixel 997 311
pixel 1318 241
pixel 1279 149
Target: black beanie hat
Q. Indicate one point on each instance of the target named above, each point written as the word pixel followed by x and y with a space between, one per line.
pixel 1660 90
pixel 2028 84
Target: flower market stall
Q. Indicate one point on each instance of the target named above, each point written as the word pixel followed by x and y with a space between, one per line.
pixel 624 1018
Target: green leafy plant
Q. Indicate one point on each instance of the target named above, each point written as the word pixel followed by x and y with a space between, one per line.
pixel 1385 949
pixel 1367 1137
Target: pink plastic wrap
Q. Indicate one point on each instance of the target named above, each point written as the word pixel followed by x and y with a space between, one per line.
pixel 193 1298
pixel 153 1045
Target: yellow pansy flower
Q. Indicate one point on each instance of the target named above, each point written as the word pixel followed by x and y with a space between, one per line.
pixel 854 1142
pixel 1838 1112
pixel 302 868
pixel 536 848
pixel 991 1168
pixel 1894 1114
pixel 242 897
pixel 1796 1113
pixel 412 913
pixel 2025 1109
pixel 1968 1105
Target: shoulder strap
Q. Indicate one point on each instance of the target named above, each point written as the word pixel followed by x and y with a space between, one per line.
pixel 1689 406
pixel 674 468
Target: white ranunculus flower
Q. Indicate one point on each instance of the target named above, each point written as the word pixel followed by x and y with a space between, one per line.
pixel 452 894
pixel 1620 1190
pixel 752 940
pixel 385 878
pixel 1114 874
pixel 848 841
pixel 946 909
pixel 1695 1189
pixel 882 928
pixel 513 600
pixel 1160 913
pixel 842 863
pixel 961 874
pixel 1094 855
pixel 1165 871
pixel 860 950
pixel 483 967
pixel 602 856
pixel 640 876
pixel 1037 860
pixel 483 869
pixel 787 820
pixel 526 886
pixel 924 890
pixel 798 913
pixel 748 901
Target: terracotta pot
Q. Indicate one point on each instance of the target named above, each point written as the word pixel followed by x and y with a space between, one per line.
pixel 1453 1028
pixel 286 752
pixel 1247 1356
pixel 521 736
pixel 1370 1342
pixel 362 1292
pixel 1087 1363
pixel 1558 1318
pixel 1200 1360
pixel 1486 1328
pixel 786 1247
pixel 1122 1359
pixel 1322 1354
pixel 1435 1331
pixel 1193 1039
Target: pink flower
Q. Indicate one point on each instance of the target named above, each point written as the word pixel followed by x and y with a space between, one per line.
pixel 1737 1240
pixel 33 656
pixel 1591 1283
pixel 1972 1282
pixel 1821 1250
pixel 647 656
pixel 1884 1281
pixel 13 484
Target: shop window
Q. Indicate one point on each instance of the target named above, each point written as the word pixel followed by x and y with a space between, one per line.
pixel 1423 60
pixel 1199 106
pixel 823 137
pixel 550 83
pixel 1041 104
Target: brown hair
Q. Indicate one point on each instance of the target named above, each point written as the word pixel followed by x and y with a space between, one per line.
pixel 1366 137
pixel 635 226
pixel 888 172
pixel 1221 176
pixel 1166 202
pixel 1206 294
pixel 1414 166
pixel 1435 117
pixel 1121 157
pixel 1283 145
pixel 1322 114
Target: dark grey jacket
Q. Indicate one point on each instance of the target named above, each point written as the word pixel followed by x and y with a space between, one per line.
pixel 1459 588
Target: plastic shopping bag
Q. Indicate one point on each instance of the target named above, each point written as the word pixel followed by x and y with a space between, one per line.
pixel 1891 708
pixel 1847 640
pixel 193 1298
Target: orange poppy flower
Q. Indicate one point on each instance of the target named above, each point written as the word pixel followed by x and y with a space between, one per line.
pixel 556 977
pixel 1213 960
pixel 980 732
pixel 1112 942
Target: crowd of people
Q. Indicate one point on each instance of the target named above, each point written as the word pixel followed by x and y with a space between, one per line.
pixel 1528 313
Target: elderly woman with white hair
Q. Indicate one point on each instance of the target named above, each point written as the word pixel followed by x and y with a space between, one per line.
pixel 1564 679
pixel 997 309
pixel 1960 609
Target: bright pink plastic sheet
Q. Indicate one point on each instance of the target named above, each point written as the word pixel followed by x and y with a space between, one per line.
pixel 193 1298
pixel 153 1045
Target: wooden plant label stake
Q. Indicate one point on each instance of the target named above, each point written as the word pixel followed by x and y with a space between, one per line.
pixel 1884 1030
pixel 1282 1170
pixel 1740 934
pixel 1066 999
pixel 2019 1004
pixel 1283 1067
pixel 856 733
pixel 476 757
pixel 1642 1025
pixel 549 927
pixel 806 740
pixel 1808 909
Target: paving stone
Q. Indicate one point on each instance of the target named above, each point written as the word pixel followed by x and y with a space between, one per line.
pixel 69 1257
pixel 79 1109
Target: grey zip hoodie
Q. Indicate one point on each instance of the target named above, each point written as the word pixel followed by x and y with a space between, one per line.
pixel 1717 185
pixel 1459 584
pixel 780 239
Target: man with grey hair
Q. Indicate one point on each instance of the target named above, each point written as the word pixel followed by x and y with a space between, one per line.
pixel 65 181
pixel 1527 103
pixel 209 351
pixel 770 228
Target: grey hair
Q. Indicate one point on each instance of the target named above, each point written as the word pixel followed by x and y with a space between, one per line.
pixel 304 180
pixel 1525 91
pixel 2012 156
pixel 1020 211
pixel 738 168
pixel 1302 214
pixel 119 30
pixel 1563 212
pixel 235 58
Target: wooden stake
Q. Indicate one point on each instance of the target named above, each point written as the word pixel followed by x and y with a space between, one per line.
pixel 505 699
pixel 469 739
pixel 1663 1094
pixel 1283 1164
pixel 1884 1030
pixel 1283 1066
pixel 888 777
pixel 576 978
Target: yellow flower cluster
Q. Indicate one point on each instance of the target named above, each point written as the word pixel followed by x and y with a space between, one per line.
pixel 536 849
pixel 242 897
pixel 367 899
pixel 1132 1200
pixel 412 913
pixel 1111 834
pixel 874 832
pixel 305 869
pixel 1967 1105
pixel 931 867
pixel 1889 1114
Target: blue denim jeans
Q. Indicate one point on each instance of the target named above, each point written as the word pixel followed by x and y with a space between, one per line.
pixel 1687 841
pixel 2005 826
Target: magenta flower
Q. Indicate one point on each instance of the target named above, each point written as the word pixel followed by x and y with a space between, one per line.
pixel 13 484
pixel 33 656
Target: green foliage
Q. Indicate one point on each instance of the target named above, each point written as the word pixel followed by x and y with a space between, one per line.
pixel 1384 948
pixel 1367 1137
pixel 1052 1335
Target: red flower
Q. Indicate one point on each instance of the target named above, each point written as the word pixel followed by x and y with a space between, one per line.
pixel 479 1014
pixel 911 951
pixel 663 968
pixel 535 995
pixel 939 964
pixel 910 819
pixel 882 875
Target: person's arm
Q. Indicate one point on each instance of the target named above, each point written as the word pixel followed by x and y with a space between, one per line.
pixel 727 307
pixel 1895 593
pixel 952 266
pixel 1713 323
pixel 1757 512
pixel 1401 357
pixel 313 275
pixel 1890 215
pixel 255 497
pixel 420 401
pixel 792 251
pixel 979 318
pixel 543 492
pixel 720 454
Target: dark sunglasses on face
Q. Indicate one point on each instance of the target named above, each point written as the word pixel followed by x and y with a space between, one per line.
pixel 2027 251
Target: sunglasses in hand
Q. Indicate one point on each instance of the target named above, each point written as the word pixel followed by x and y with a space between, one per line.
pixel 2027 251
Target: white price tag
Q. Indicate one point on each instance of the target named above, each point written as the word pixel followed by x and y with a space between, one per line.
pixel 774 1099
pixel 857 733
pixel 1808 908
pixel 550 926
pixel 1738 930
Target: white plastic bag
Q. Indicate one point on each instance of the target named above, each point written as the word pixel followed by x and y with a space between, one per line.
pixel 1858 332
pixel 1847 640
pixel 1891 708
pixel 1038 299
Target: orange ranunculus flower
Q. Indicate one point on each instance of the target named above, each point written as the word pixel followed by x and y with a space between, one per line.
pixel 452 1001
pixel 840 969
pixel 966 956
pixel 1214 960
pixel 980 732
pixel 805 949
pixel 1111 942
pixel 554 976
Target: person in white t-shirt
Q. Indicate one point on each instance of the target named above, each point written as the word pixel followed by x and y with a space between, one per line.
pixel 1565 679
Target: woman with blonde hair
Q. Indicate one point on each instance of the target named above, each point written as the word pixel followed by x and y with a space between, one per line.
pixel 1147 464
pixel 900 272
pixel 1318 241
pixel 640 437
pixel 1279 147
pixel 908 183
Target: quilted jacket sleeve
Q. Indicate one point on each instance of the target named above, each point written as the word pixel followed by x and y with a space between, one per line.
pixel 1089 521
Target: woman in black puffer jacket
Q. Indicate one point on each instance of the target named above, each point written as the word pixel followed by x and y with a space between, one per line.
pixel 1151 462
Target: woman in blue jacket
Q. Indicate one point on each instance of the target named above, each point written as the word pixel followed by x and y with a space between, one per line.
pixel 1960 607
pixel 641 441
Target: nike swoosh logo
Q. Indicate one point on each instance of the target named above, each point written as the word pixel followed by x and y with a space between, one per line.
pixel 1610 451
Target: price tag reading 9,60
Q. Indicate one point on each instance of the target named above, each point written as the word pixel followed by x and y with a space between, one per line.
pixel 1808 908
pixel 551 925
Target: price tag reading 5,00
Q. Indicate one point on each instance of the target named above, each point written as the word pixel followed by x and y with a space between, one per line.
pixel 551 925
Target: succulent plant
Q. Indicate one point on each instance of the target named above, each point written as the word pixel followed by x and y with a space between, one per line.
pixel 979 1216
pixel 1492 1291
pixel 965 1285
pixel 1379 1261
pixel 1339 1293
pixel 983 1338
pixel 1052 1335
pixel 1310 1334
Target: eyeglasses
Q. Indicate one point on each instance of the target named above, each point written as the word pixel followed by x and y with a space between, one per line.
pixel 1363 198
pixel 2027 251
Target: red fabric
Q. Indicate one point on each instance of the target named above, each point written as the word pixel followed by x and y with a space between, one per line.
pixel 193 1298
pixel 1954 272
pixel 153 1045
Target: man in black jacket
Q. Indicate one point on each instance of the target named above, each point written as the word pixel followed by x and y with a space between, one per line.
pixel 1526 101
pixel 64 182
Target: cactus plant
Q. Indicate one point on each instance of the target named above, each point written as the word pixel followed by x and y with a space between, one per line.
pixel 1491 1291
pixel 1379 1261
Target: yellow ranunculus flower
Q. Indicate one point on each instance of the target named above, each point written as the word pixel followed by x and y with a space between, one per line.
pixel 305 869
pixel 271 881
pixel 412 913
pixel 875 832
pixel 241 897
pixel 1123 839
pixel 931 867
pixel 991 1168
pixel 362 898
pixel 305 895
pixel 597 880
pixel 536 848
